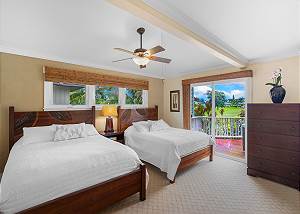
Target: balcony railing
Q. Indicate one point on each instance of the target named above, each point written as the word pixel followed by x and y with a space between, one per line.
pixel 227 127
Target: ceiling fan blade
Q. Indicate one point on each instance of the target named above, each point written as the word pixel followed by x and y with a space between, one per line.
pixel 159 59
pixel 123 50
pixel 120 60
pixel 155 50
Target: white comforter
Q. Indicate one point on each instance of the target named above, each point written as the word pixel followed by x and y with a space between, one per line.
pixel 165 148
pixel 38 172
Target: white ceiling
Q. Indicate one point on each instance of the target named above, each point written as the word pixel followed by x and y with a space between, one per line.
pixel 85 32
pixel 257 29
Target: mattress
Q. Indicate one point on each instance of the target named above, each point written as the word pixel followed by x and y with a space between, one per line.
pixel 39 172
pixel 165 148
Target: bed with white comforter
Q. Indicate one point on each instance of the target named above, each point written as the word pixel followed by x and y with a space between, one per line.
pixel 39 172
pixel 164 146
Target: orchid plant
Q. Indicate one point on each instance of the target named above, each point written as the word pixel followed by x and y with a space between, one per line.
pixel 276 78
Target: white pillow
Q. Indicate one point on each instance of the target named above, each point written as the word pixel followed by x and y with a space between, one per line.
pixel 91 130
pixel 72 131
pixel 141 126
pixel 38 134
pixel 158 125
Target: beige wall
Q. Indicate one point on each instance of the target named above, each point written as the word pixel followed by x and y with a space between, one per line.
pixel 262 73
pixel 21 86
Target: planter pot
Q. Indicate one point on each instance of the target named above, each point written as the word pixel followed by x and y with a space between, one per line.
pixel 277 94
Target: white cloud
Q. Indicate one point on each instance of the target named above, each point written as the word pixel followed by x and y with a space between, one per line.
pixel 200 90
pixel 237 94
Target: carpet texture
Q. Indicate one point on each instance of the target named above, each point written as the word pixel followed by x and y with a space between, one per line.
pixel 221 186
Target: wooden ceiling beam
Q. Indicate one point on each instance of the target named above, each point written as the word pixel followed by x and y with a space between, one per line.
pixel 144 11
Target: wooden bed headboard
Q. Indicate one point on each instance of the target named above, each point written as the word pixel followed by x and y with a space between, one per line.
pixel 18 120
pixel 127 116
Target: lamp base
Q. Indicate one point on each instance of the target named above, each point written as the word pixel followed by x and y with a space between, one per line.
pixel 109 125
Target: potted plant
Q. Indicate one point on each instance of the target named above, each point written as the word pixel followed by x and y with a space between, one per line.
pixel 277 93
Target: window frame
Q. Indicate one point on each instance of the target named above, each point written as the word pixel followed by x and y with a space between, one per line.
pixel 90 99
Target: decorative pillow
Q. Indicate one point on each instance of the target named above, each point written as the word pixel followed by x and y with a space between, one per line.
pixel 38 134
pixel 142 126
pixel 67 132
pixel 91 130
pixel 158 125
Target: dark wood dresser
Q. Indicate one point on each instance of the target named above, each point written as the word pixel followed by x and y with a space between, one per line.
pixel 274 142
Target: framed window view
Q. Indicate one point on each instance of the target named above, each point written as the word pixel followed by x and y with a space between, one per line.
pixel 60 96
pixel 175 101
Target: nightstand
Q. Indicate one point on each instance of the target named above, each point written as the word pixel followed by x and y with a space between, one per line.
pixel 116 136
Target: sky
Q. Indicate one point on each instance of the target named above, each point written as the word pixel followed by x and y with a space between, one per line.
pixel 229 89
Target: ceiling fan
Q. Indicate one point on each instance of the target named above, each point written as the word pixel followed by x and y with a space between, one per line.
pixel 142 56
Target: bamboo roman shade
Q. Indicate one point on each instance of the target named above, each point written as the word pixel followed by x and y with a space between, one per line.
pixel 233 75
pixel 88 78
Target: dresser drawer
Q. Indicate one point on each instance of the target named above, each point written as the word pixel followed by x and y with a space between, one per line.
pixel 272 167
pixel 285 142
pixel 274 127
pixel 290 112
pixel 278 155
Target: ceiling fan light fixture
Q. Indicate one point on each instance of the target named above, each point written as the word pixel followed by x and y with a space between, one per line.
pixel 141 60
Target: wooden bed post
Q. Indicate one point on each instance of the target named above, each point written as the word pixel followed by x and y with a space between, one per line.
pixel 94 115
pixel 11 126
pixel 211 153
pixel 118 119
pixel 143 182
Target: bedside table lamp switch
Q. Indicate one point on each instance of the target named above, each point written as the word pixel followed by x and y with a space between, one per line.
pixel 109 112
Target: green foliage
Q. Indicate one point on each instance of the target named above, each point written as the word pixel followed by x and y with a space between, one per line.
pixel 229 111
pixel 222 111
pixel 220 98
pixel 77 96
pixel 242 113
pixel 240 102
pixel 134 96
pixel 203 109
pixel 276 79
pixel 107 95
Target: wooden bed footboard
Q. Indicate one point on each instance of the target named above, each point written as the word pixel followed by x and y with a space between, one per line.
pixel 95 198
pixel 193 158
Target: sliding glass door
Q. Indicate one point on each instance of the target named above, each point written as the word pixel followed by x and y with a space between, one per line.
pixel 202 108
pixel 218 109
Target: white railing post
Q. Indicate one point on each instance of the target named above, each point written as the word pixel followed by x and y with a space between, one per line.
pixel 226 127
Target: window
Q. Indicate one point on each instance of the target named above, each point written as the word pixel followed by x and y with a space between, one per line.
pixel 133 97
pixel 106 95
pixel 62 95
pixel 69 94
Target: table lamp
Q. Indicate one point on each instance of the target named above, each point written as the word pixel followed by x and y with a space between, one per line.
pixel 109 111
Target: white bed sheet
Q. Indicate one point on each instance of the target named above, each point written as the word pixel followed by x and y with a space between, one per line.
pixel 165 148
pixel 39 172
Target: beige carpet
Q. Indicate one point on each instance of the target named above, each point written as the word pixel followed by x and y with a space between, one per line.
pixel 221 186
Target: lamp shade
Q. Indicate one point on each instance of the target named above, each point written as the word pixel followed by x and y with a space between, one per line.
pixel 109 111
